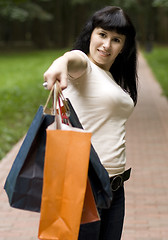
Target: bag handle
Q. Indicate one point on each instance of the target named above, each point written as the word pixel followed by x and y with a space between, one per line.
pixel 48 99
pixel 60 111
pixel 57 96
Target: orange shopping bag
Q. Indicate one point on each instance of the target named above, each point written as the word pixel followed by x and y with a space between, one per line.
pixel 67 198
pixel 64 186
pixel 90 212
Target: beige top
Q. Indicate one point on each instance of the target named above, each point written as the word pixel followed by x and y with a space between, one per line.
pixel 103 109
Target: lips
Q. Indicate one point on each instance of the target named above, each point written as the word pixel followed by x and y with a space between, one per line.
pixel 103 53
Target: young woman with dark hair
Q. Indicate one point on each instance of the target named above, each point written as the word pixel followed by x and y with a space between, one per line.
pixel 99 77
pixel 124 67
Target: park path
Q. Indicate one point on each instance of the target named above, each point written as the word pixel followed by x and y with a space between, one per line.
pixel 147 153
pixel 146 191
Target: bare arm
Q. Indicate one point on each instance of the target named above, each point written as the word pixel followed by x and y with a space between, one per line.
pixel 71 63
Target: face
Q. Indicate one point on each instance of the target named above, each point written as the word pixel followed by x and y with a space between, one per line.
pixel 105 47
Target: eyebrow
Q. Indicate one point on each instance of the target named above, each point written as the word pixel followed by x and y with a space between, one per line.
pixel 118 37
pixel 102 30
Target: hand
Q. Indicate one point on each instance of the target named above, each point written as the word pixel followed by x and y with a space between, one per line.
pixel 58 71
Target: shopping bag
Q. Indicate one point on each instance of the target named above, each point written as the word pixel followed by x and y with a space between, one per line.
pixel 89 212
pixel 65 179
pixel 25 179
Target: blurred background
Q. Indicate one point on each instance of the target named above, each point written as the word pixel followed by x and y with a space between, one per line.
pixel 56 23
pixel 35 32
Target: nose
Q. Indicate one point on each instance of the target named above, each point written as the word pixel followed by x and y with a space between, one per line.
pixel 107 43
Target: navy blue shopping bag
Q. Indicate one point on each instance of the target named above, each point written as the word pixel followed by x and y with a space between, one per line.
pixel 25 179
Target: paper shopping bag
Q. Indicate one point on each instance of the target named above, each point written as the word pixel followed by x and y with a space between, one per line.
pixel 64 184
pixel 25 179
pixel 89 212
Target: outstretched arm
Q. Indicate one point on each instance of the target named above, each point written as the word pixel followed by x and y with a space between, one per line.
pixel 72 63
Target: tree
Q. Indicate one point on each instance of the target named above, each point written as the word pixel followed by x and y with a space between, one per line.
pixel 160 3
pixel 57 22
pixel 23 10
pixel 12 12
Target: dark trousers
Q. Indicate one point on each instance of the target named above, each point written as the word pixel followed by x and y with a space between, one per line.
pixel 111 223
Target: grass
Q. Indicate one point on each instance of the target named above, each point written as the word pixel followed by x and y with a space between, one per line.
pixel 21 92
pixel 158 61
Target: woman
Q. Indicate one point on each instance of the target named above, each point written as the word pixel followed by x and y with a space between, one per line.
pixel 99 77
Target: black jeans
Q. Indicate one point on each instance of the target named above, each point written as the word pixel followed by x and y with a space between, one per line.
pixel 111 224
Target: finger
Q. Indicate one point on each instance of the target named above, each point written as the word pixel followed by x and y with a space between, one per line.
pixel 63 81
pixel 49 80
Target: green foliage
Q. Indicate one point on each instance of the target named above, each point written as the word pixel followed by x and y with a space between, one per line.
pixel 157 60
pixel 35 11
pixel 79 1
pixel 160 3
pixel 125 4
pixel 23 10
pixel 11 11
pixel 21 92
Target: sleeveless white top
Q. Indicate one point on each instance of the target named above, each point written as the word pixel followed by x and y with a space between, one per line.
pixel 103 108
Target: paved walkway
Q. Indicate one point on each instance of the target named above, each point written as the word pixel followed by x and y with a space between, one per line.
pixel 146 192
pixel 147 153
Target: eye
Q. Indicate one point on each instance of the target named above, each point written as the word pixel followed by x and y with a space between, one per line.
pixel 116 40
pixel 102 34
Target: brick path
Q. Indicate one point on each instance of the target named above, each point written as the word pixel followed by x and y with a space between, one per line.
pixel 146 192
pixel 147 153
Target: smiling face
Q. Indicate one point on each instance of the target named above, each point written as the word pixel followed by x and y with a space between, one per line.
pixel 105 47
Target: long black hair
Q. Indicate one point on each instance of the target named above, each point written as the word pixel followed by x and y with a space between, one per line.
pixel 123 69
